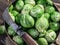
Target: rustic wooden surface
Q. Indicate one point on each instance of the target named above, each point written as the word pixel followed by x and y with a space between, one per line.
pixel 5 39
pixel 3 5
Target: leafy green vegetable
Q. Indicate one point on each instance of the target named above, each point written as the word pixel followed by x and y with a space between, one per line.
pixel 2 29
pixel 18 18
pixel 30 2
pixel 33 32
pixel 37 11
pixel 42 34
pixel 26 9
pixel 18 40
pixel 42 24
pixel 49 9
pixel 11 8
pixel 50 36
pixel 55 16
pixel 46 15
pixel 19 5
pixel 15 13
pixel 26 21
pixel 54 26
pixel 49 2
pixel 43 2
pixel 42 41
pixel 13 18
pixel 11 31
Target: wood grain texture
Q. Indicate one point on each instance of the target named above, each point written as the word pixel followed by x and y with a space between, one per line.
pixel 3 5
pixel 29 40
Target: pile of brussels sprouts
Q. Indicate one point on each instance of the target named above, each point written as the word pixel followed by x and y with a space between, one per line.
pixel 39 18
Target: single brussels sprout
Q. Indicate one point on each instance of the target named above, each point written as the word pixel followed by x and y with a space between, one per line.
pixel 26 21
pixel 55 16
pixel 42 2
pixel 30 2
pixel 49 9
pixel 2 29
pixel 11 8
pixel 18 18
pixel 27 9
pixel 46 15
pixel 42 41
pixel 50 36
pixel 33 32
pixel 18 40
pixel 19 5
pixel 54 26
pixel 37 11
pixel 49 2
pixel 42 24
pixel 42 34
pixel 15 13
pixel 11 31
pixel 13 18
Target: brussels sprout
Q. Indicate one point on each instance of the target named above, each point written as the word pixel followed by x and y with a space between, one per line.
pixel 30 2
pixel 26 21
pixel 49 9
pixel 49 2
pixel 11 31
pixel 37 11
pixel 27 9
pixel 42 41
pixel 42 34
pixel 13 18
pixel 42 24
pixel 43 2
pixel 2 29
pixel 46 15
pixel 18 18
pixel 54 26
pixel 50 36
pixel 11 8
pixel 55 16
pixel 18 40
pixel 15 13
pixel 33 32
pixel 19 5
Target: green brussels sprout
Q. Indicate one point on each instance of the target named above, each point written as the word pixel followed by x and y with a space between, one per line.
pixel 11 31
pixel 49 2
pixel 42 41
pixel 46 15
pixel 42 24
pixel 19 5
pixel 2 29
pixel 42 2
pixel 11 8
pixel 26 21
pixel 15 13
pixel 42 34
pixel 55 16
pixel 30 2
pixel 18 18
pixel 13 18
pixel 18 40
pixel 54 26
pixel 37 11
pixel 33 32
pixel 50 36
pixel 27 9
pixel 49 9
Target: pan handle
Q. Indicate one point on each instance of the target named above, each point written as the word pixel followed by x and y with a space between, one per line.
pixel 28 39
